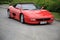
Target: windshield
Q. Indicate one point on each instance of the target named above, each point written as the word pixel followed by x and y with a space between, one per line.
pixel 26 6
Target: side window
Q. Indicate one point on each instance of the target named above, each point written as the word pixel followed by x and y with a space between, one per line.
pixel 18 6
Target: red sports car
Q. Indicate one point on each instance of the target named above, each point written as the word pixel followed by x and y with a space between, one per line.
pixel 29 13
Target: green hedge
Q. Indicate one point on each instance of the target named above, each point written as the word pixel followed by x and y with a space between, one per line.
pixel 5 1
pixel 52 5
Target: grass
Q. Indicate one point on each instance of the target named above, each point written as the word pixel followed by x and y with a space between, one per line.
pixel 57 15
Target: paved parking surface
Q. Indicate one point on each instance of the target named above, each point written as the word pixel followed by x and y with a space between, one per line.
pixel 13 30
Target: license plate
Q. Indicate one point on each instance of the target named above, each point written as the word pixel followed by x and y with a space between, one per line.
pixel 43 22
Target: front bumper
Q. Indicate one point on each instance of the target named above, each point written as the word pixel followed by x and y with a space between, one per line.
pixel 37 21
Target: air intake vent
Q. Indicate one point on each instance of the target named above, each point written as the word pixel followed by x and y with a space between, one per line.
pixel 43 19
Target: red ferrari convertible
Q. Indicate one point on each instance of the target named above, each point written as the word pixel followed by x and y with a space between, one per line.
pixel 29 13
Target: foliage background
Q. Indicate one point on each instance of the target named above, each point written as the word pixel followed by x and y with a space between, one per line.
pixel 52 5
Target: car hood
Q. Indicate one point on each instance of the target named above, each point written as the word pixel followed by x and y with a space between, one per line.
pixel 37 13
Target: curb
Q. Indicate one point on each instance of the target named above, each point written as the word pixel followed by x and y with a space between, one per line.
pixel 3 7
pixel 57 20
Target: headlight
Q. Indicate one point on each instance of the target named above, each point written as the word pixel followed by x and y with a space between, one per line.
pixel 52 18
pixel 33 19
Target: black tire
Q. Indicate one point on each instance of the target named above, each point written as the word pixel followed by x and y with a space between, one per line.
pixel 8 14
pixel 22 18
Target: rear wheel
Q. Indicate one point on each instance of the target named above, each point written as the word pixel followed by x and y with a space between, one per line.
pixel 22 18
pixel 8 14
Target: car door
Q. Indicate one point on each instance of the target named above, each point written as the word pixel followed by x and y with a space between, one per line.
pixel 16 11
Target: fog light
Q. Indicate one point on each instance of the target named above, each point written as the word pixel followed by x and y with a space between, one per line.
pixel 52 18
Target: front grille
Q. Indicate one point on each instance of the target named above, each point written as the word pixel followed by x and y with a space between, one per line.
pixel 43 19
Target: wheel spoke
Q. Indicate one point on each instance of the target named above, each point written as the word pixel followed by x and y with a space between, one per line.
pixel 22 18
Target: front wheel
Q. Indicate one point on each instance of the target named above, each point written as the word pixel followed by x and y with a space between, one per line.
pixel 22 18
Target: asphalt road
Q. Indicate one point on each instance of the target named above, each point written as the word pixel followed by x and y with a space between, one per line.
pixel 13 30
